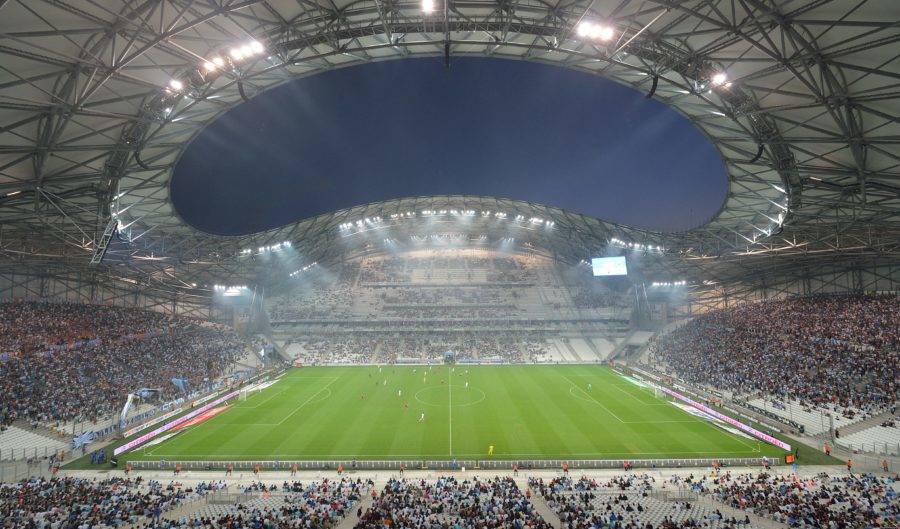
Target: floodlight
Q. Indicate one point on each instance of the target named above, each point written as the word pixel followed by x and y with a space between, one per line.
pixel 591 30
pixel 605 32
pixel 209 66
pixel 719 78
pixel 428 6
pixel 175 84
pixel 236 54
pixel 256 47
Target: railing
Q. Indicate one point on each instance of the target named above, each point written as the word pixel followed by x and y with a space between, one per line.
pixel 679 494
pixel 451 465
pixel 31 452
pixel 886 449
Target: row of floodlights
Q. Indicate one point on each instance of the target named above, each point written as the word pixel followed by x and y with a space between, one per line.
pixel 222 288
pixel 216 63
pixel 596 31
pixel 438 212
pixel 295 273
pixel 592 30
pixel 668 283
pixel 433 212
pixel 635 245
pixel 437 237
pixel 265 249
pixel 361 223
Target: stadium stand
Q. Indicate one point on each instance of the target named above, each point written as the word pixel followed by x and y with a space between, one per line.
pixel 450 502
pixel 796 357
pixel 20 443
pixel 319 504
pixel 68 362
pixel 623 501
pixel 881 439
pixel 640 500
pixel 422 304
pixel 822 501
pixel 77 502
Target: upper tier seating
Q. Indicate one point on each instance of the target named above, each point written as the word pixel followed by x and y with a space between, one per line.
pixel 54 378
pixel 838 353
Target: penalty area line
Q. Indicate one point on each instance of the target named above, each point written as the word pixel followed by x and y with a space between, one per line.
pixel 305 402
pixel 597 402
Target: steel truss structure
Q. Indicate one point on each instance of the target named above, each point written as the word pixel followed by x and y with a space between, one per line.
pixel 92 124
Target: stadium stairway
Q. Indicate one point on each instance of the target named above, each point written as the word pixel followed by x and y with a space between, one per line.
pixel 865 424
pixel 593 347
pixel 568 344
pixel 41 429
pixel 349 521
pixel 540 505
pixel 621 346
pixel 23 443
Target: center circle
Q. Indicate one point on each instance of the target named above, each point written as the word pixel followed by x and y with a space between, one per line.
pixel 440 396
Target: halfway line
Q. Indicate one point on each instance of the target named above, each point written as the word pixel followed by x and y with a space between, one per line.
pixel 450 406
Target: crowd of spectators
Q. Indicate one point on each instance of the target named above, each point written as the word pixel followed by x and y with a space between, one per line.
pixel 821 502
pixel 127 350
pixel 592 298
pixel 27 326
pixel 633 500
pixel 317 505
pixel 441 285
pixel 452 312
pixel 450 264
pixel 387 348
pixel 836 352
pixel 63 503
pixel 450 503
pixel 337 348
pixel 317 301
pixel 623 502
pixel 448 296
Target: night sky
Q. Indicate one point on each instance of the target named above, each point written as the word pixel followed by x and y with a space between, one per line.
pixel 485 127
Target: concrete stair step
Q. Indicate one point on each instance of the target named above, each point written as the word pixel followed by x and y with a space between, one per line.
pixel 866 423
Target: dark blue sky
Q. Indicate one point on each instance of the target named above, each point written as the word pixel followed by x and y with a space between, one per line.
pixel 485 127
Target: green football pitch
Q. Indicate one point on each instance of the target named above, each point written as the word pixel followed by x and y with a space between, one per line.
pixel 416 412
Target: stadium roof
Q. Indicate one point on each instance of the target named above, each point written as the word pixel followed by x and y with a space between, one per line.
pixel 99 99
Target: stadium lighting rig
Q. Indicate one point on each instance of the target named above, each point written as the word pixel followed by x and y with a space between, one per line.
pixel 297 272
pixel 428 6
pixel 359 225
pixel 636 246
pixel 266 249
pixel 719 78
pixel 668 283
pixel 595 31
pixel 230 290
pixel 210 68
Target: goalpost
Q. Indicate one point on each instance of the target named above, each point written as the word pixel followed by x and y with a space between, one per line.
pixel 245 392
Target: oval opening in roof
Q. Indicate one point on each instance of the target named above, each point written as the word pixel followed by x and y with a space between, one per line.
pixel 488 127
